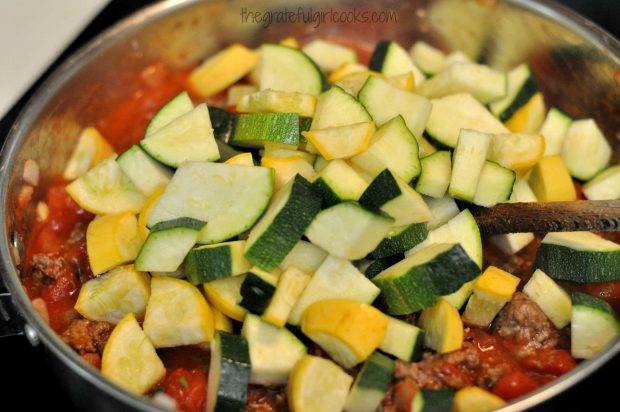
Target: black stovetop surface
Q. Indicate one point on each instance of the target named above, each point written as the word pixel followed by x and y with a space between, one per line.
pixel 29 384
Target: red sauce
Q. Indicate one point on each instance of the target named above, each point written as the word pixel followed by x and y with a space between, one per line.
pixel 186 376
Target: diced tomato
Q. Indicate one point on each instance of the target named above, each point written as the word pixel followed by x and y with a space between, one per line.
pixel 188 388
pixel 553 362
pixel 514 385
pixel 60 298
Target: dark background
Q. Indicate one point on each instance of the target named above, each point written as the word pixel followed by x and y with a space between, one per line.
pixel 27 383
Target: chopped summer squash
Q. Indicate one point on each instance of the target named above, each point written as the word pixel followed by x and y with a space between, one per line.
pixel 275 101
pixel 605 185
pixel 236 92
pixel 551 182
pixel 345 70
pixel 221 322
pixel 143 217
pixel 329 56
pixel 317 385
pixel 475 399
pixel 223 69
pixel 492 290
pixel 343 141
pixel 111 296
pixel 242 159
pixel 285 168
pixel 289 288
pixel 530 117
pixel 177 314
pixel 349 331
pixel 290 42
pixel 111 241
pixel 91 149
pixel 517 151
pixel 550 297
pixel 442 326
pixel 225 295
pixel 129 358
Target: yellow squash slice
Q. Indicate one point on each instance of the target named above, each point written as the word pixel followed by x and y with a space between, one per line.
pixel 285 168
pixel 551 182
pixel 143 217
pixel 225 295
pixel 91 149
pixel 129 358
pixel 475 399
pixel 341 142
pixel 177 314
pixel 517 151
pixel 243 159
pixel 443 327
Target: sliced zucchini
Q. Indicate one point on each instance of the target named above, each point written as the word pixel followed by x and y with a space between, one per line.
pixel 436 170
pixel 396 198
pixel 146 173
pixel 372 268
pixel 461 296
pixel 349 331
pixel 176 107
pixel 329 56
pixel 211 262
pixel 341 142
pixel 428 58
pixel 348 230
pixel 283 225
pixel 274 101
pixel 494 184
pixel 605 185
pixel 106 189
pixel 452 113
pixel 593 325
pixel 345 70
pixel 554 130
pixel 584 140
pixel 392 147
pixel 257 289
pixel 274 351
pixel 230 197
pixel 237 91
pixel 317 385
pixel 581 257
pixel 550 297
pixel 111 241
pixel 289 70
pixel 390 59
pixel 338 182
pixel 433 400
pixel 402 340
pixel 286 168
pixel 223 123
pixel 492 290
pixel 443 210
pixel 400 239
pixel 177 314
pixel 551 181
pixel 129 359
pixel 469 158
pixel 167 245
pixel 225 295
pixel 530 117
pixel 254 130
pixel 443 328
pixel 335 107
pixel 91 149
pixel 416 282
pixel 291 285
pixel 522 85
pixel 229 373
pixel 385 101
pixel 186 138
pixel 223 69
pixel 273 150
pixel 109 297
pixel 371 384
pixel 305 256
pixel 334 279
pixel 482 82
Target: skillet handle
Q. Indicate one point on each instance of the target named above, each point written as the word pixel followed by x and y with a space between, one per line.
pixel 10 322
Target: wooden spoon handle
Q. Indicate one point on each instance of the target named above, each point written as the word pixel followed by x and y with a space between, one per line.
pixel 539 217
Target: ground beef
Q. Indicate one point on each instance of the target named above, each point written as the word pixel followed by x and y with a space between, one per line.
pixel 489 373
pixel 523 322
pixel 46 267
pixel 265 399
pixel 87 336
pixel 453 370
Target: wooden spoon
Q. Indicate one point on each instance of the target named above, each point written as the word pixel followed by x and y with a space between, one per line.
pixel 539 217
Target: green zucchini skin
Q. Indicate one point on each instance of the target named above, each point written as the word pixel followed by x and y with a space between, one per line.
pixel 529 89
pixel 401 240
pixel 380 191
pixel 379 265
pixel 253 130
pixel 564 263
pixel 371 384
pixel 378 55
pixel 185 222
pixel 231 393
pixel 223 123
pixel 434 400
pixel 256 293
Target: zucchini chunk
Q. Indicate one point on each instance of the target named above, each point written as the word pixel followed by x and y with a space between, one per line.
pixel 146 173
pixel 223 123
pixel 522 85
pixel 371 384
pixel 329 56
pixel 129 358
pixel 211 262
pixel 452 113
pixel 390 59
pixel 230 198
pixel 274 351
pixel 416 282
pixel 305 256
pixel 428 58
pixel 402 340
pixel 254 130
pixel 334 279
pixel 492 290
pixel 443 328
pixel 317 385
pixel 113 295
pixel 349 331
pixel 469 157
pixel 236 92
pixel 593 325
pixel 584 140
pixel 581 257
pixel 229 373
pixel 605 185
pixel 283 224
pixel 396 198
pixel 552 299
pixel 335 108
pixel 285 168
pixel 530 117
pixel 174 108
pixel 444 209
pixel 167 245
pixel 399 240
pixel 495 184
pixel 554 130
pixel 339 182
pixel 289 69
pixel 431 400
pixel 274 101
pixel 348 230
pixel 257 289
pixel 177 314
pixel 436 170
pixel 186 138
pixel 291 284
